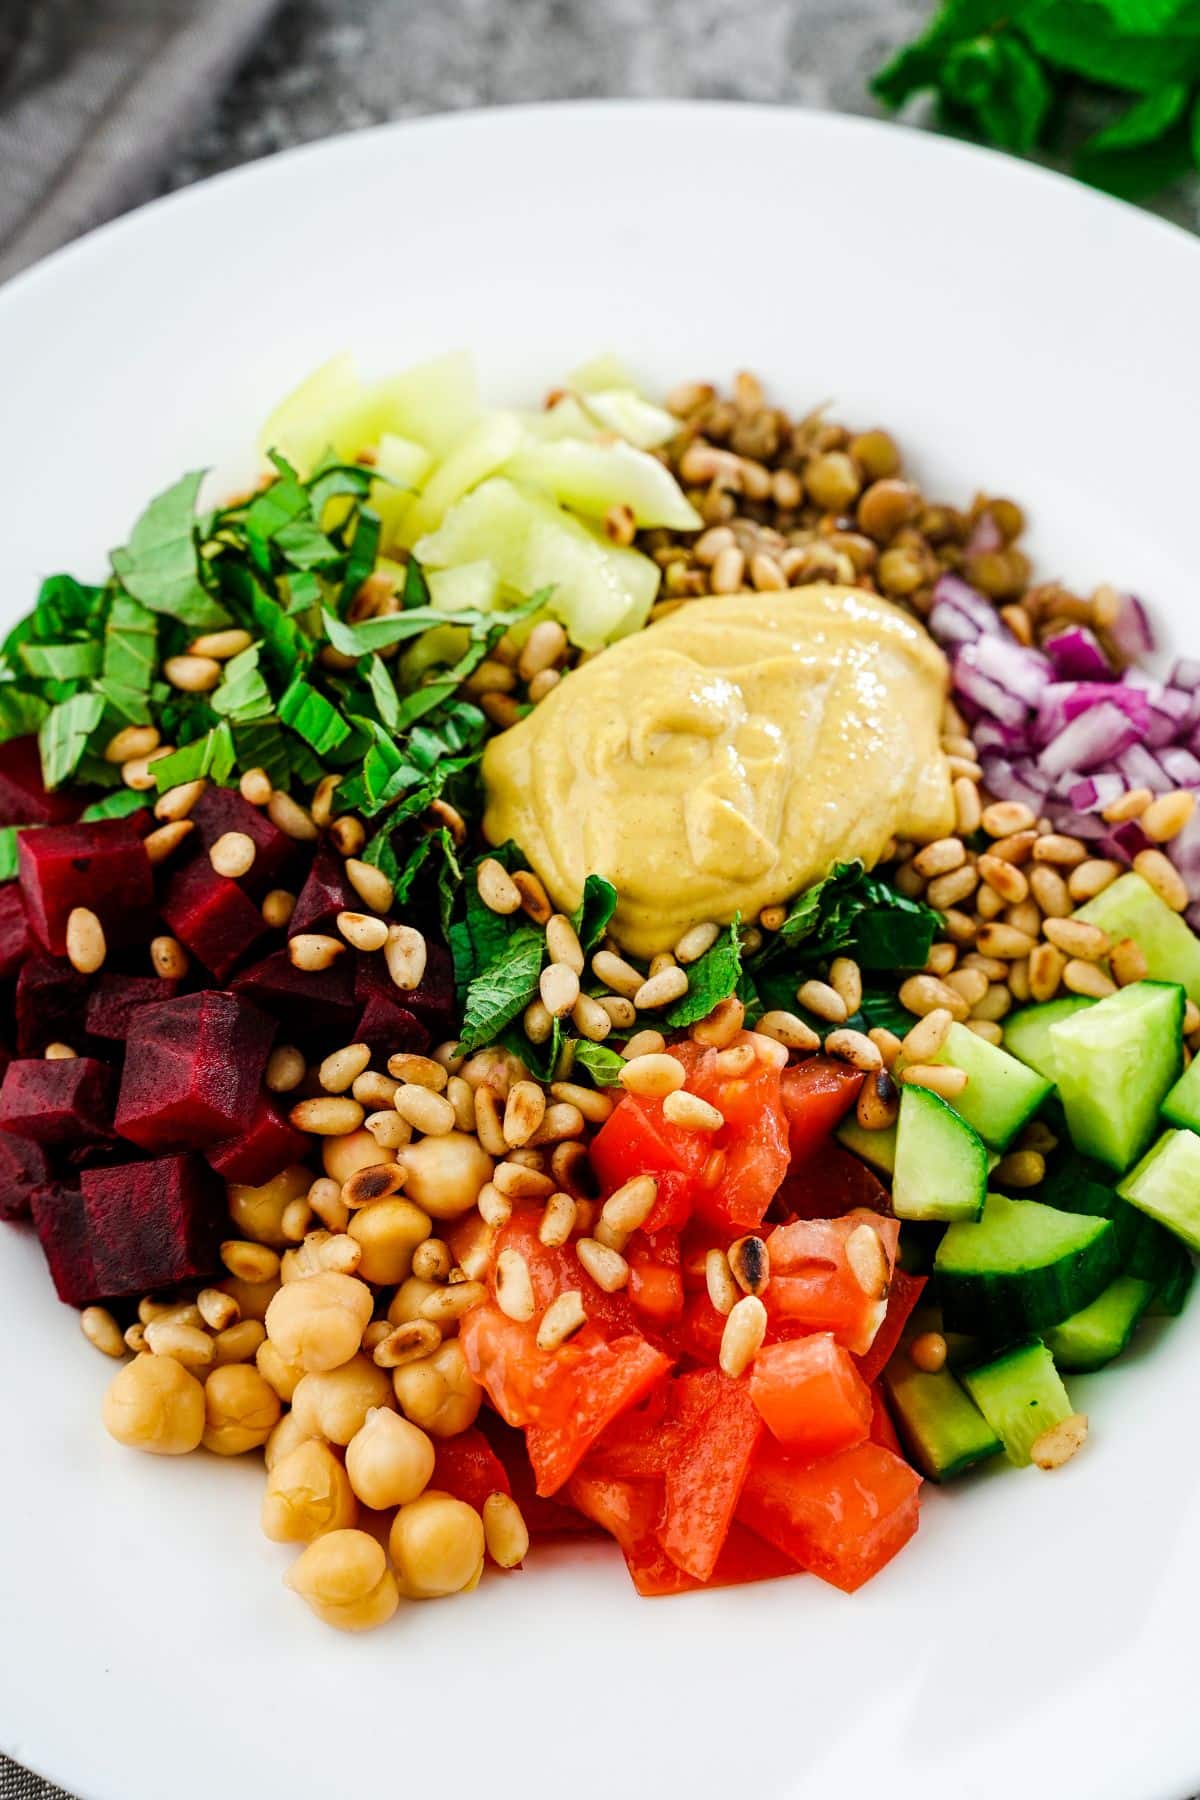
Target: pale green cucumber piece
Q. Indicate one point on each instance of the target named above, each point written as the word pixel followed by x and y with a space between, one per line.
pixel 1001 1094
pixel 472 587
pixel 605 370
pixel 875 1147
pixel 1182 1104
pixel 631 417
pixel 1166 1185
pixel 1027 1032
pixel 941 1163
pixel 1130 908
pixel 1021 1267
pixel 1092 1337
pixel 944 1430
pixel 593 478
pixel 490 443
pixel 1116 1063
pixel 406 464
pixel 434 402
pixel 1021 1395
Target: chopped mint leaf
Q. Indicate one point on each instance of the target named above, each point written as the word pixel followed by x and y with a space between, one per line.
pixel 117 805
pixel 312 717
pixel 242 695
pixel 711 979
pixel 594 911
pixel 61 662
pixel 383 692
pixel 20 711
pixel 63 736
pixel 160 565
pixel 602 1064
pixel 212 755
pixel 503 988
pixel 364 548
pixel 416 588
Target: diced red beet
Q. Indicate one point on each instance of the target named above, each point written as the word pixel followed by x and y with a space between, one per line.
pixel 219 810
pixel 50 1004
pixel 387 1021
pixel 16 939
pixel 102 866
pixel 211 916
pixel 23 1169
pixel 61 1224
pixel 268 1144
pixel 152 1224
pixel 193 1069
pixel 115 1000
pixel 23 798
pixel 325 894
pixel 433 1000
pixel 309 1003
pixel 60 1102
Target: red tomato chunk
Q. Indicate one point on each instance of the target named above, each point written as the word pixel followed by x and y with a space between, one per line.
pixel 810 1395
pixel 842 1518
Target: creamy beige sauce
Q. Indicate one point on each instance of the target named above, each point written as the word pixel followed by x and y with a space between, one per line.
pixel 725 757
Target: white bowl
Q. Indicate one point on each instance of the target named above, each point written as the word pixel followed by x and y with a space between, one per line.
pixel 1018 333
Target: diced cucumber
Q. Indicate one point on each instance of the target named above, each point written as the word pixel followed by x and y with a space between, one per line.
pixel 1021 1267
pixel 1077 1185
pixel 941 1164
pixel 1131 908
pixel 1092 1337
pixel 472 587
pixel 875 1147
pixel 325 411
pixel 1170 1296
pixel 1020 1394
pixel 566 418
pixel 592 478
pixel 600 591
pixel 1027 1032
pixel 631 417
pixel 1116 1062
pixel 943 1428
pixel 1182 1104
pixel 604 370
pixel 1166 1185
pixel 332 409
pixel 1001 1093
pixel 435 402
pixel 486 447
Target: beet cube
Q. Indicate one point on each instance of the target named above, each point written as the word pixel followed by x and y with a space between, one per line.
pixel 193 1068
pixel 308 1003
pixel 387 1020
pixel 325 894
pixel 433 999
pixel 50 1004
pixel 23 798
pixel 16 939
pixel 23 1169
pixel 152 1224
pixel 219 810
pixel 103 866
pixel 115 999
pixel 211 916
pixel 61 1224
pixel 61 1102
pixel 268 1144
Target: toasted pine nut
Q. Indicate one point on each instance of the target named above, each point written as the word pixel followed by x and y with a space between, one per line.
pixel 86 946
pixel 719 1280
pixel 941 960
pixel 166 839
pixel 1016 848
pixel 878 1102
pixel 233 854
pixel 255 786
pixel 628 1208
pixel 178 802
pixel 405 954
pixel 291 818
pixel 249 1261
pixel 1046 965
pixel 607 1268
pixel 939 1078
pixel 845 978
pixel 616 973
pixel 341 1068
pixel 424 1110
pixel 514 1286
pixel 1074 937
pixel 558 1220
pixel 561 1320
pixel 788 1029
pixel 696 941
pixel 939 857
pixel 1049 891
pixel 1127 961
pixel 591 1019
pixel 1005 878
pixel 374 1089
pixel 131 742
pixel 750 1264
pixel 1086 978
pixel 377 1181
pixel 562 943
pixel 100 1328
pixel 718 1029
pixel 928 1035
pixel 945 891
pixel 820 998
pixel 312 951
pixel 595 1105
pixel 560 1120
pixel 453 1302
pixel 1091 878
pixel 967 811
pixel 370 884
pixel 168 958
pixel 518 1182
pixel 406 1343
pixel 218 1309
pixel 347 835
pixel 854 1047
pixel 330 1115
pixel 996 1003
pixel 887 1043
pixel 296 1220
pixel 187 1344
pixel 868 1261
pixel 1020 1169
pixel 1166 816
pixel 661 989
pixel 742 1338
pixel 362 930
pixel 192 674
pixel 691 1112
pixel 496 887
pixel 524 1111
pixel 286 1069
pixel 1005 941
pixel 1004 817
pixel 972 984
pixel 1059 1443
pixel 654 1075
pixel 1131 805
pixel 1054 847
pixel 277 908
pixel 558 986
pixel 927 1352
pixel 59 1053
pixel 923 994
pixel 1163 877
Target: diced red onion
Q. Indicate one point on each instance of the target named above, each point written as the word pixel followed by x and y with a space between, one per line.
pixel 1063 701
pixel 1094 737
pixel 981 692
pixel 1075 824
pixel 1141 770
pixel 1185 673
pixel 1078 655
pixel 990 734
pixel 1184 851
pixel 1003 779
pixel 1180 765
pixel 1131 630
pixel 950 627
pixel 952 590
pixel 1018 670
pixel 1095 792
pixel 1124 841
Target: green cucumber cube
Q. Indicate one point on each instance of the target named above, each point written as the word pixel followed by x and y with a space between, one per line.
pixel 941 1164
pixel 1021 1267
pixel 1116 1063
pixel 1001 1094
pixel 1130 908
pixel 1021 1395
pixel 1166 1185
pixel 943 1428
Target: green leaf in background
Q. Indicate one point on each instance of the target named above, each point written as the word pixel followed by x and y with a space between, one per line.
pixel 918 65
pixel 712 978
pixel 1087 38
pixel 999 84
pixel 20 711
pixel 503 988
pixel 312 717
pixel 117 805
pixel 63 736
pixel 1147 146
pixel 416 589
pixel 602 1064
pixel 383 692
pixel 65 607
pixel 594 911
pixel 10 861
pixel 160 567
pixel 61 662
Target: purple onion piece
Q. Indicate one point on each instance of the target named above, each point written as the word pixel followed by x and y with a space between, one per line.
pixel 1185 673
pixel 1001 778
pixel 1184 851
pixel 1180 765
pixel 959 594
pixel 1018 670
pixel 1078 655
pixel 1141 770
pixel 1124 841
pixel 949 627
pixel 991 735
pixel 1094 792
pixel 1095 737
pixel 981 692
pixel 1075 824
pixel 1131 630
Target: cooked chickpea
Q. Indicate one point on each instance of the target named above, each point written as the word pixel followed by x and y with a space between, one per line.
pixel 345 1578
pixel 240 1410
pixel 308 1493
pixel 389 1460
pixel 253 1297
pixel 444 1174
pixel 155 1404
pixel 318 1323
pixel 408 1298
pixel 287 1435
pixel 334 1404
pixel 282 1375
pixel 437 1546
pixel 258 1211
pixel 345 1156
pixel 389 1231
pixel 439 1393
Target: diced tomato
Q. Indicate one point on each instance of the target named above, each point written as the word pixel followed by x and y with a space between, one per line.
pixel 553 1270
pixel 816 1093
pixel 830 1183
pixel 714 1429
pixel 673 1207
pixel 616 1376
pixel 637 1140
pixel 698 1333
pixel 810 1395
pixel 467 1467
pixel 842 1518
pixel 813 1287
pixel 904 1290
pixel 655 1277
pixel 638 1444
pixel 630 1511
pixel 882 1430
pixel 544 1518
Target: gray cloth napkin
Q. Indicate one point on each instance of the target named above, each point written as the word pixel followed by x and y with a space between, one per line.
pixel 94 95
